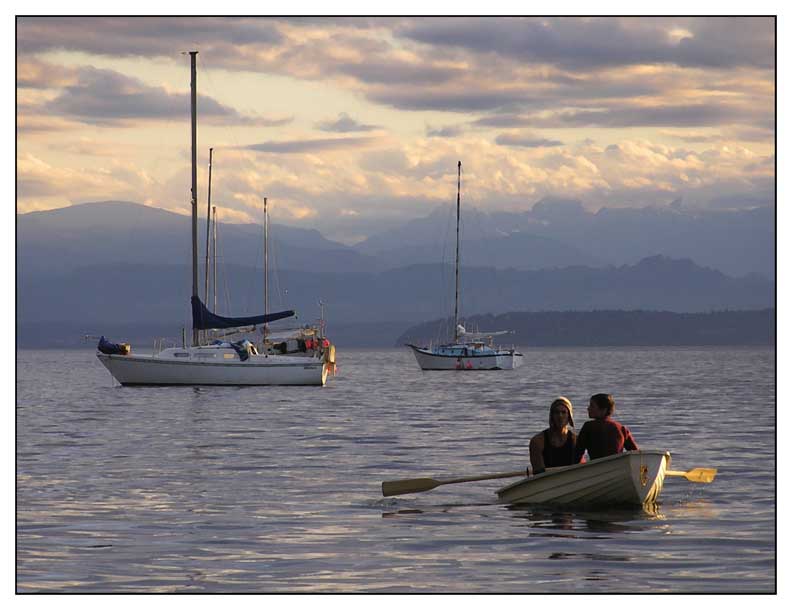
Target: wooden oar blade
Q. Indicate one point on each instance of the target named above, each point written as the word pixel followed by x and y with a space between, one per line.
pixel 695 475
pixel 408 486
pixel 702 475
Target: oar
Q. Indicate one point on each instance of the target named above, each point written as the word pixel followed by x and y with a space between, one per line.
pixel 413 486
pixel 696 475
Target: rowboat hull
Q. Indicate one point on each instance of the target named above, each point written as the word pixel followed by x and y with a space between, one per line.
pixel 497 360
pixel 633 478
pixel 256 370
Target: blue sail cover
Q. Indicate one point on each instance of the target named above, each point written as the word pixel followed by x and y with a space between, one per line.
pixel 204 319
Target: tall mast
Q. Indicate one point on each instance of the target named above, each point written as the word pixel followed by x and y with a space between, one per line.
pixel 214 255
pixel 193 85
pixel 456 293
pixel 208 222
pixel 266 259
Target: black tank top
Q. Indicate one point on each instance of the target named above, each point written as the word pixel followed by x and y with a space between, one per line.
pixel 559 456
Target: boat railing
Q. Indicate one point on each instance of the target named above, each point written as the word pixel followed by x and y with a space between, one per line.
pixel 162 343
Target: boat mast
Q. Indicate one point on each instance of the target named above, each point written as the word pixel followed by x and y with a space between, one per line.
pixel 193 84
pixel 456 293
pixel 208 223
pixel 214 255
pixel 266 263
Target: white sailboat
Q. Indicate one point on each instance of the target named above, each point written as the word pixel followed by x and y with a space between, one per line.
pixel 469 351
pixel 306 360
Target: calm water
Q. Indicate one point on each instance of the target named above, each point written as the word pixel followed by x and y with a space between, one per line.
pixel 278 489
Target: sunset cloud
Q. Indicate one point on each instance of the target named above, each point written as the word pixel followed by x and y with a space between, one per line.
pixel 105 96
pixel 597 42
pixel 371 115
pixel 525 140
pixel 310 145
pixel 49 186
pixel 143 36
pixel 345 124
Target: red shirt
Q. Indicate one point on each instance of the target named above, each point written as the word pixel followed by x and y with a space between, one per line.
pixel 603 437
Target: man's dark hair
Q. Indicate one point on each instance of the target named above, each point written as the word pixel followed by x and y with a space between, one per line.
pixel 604 402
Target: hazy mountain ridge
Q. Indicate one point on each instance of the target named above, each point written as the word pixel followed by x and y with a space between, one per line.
pixel 113 265
pixel 125 232
pixel 735 241
pixel 105 297
pixel 554 233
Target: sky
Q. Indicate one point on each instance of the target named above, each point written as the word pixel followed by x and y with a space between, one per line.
pixel 354 125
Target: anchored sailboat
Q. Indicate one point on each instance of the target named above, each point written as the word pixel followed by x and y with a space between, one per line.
pixel 469 350
pixel 221 362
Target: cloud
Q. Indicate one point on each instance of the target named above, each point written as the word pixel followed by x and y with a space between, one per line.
pixel 507 81
pixel 525 140
pixel 312 145
pixel 391 71
pixel 389 186
pixel 345 124
pixel 41 182
pixel 666 115
pixel 144 36
pixel 99 96
pixel 449 131
pixel 30 122
pixel 462 100
pixel 693 137
pixel 503 120
pixel 590 43
pixel 38 74
pixel 723 135
pixel 586 71
pixel 388 161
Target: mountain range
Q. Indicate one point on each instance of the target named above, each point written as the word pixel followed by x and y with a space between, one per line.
pixel 555 233
pixel 560 232
pixel 110 232
pixel 122 269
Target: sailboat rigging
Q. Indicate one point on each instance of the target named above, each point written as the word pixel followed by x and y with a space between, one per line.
pixel 208 226
pixel 468 350
pixel 220 362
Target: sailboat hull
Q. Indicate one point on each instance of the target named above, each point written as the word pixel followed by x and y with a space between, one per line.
pixel 256 370
pixel 498 360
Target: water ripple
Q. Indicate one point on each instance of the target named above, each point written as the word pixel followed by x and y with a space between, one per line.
pixel 278 489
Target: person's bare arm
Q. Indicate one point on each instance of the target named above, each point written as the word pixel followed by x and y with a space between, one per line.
pixel 629 441
pixel 536 448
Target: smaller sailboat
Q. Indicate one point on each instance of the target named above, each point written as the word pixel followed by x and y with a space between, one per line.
pixel 469 351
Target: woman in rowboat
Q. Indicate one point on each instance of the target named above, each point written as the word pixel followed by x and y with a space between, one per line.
pixel 603 436
pixel 555 446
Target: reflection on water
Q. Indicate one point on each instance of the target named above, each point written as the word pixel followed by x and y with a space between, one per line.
pixel 278 490
pixel 608 520
pixel 592 556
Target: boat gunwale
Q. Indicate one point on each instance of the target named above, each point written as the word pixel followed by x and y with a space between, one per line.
pixel 564 469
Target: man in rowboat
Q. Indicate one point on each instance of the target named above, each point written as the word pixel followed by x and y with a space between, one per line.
pixel 603 436
pixel 555 446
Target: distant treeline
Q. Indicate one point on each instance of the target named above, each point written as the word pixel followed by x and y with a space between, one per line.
pixel 549 328
pixel 615 328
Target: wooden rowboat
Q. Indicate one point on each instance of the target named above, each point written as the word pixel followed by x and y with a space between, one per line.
pixel 633 478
